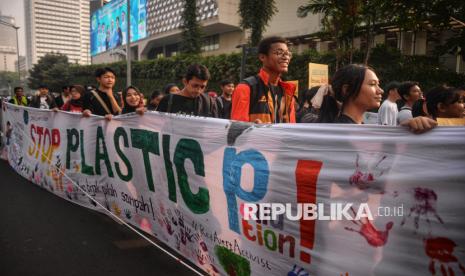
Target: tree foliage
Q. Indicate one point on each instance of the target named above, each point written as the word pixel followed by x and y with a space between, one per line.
pixel 255 16
pixel 344 19
pixel 389 64
pixel 192 34
pixel 340 18
pixel 52 70
pixel 9 80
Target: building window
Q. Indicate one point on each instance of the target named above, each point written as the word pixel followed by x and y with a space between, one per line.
pixel 172 50
pixel 211 43
pixel 155 53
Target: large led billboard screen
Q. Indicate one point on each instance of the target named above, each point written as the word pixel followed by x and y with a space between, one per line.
pixel 109 25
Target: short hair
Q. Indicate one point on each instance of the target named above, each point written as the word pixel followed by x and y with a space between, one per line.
pixel 391 86
pixel 440 94
pixel 156 93
pixel 43 86
pixel 404 89
pixel 18 88
pixel 264 45
pixel 198 71
pixel 226 82
pixel 102 71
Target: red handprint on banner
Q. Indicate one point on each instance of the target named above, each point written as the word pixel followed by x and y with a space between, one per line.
pixel 440 249
pixel 364 180
pixel 425 204
pixel 374 237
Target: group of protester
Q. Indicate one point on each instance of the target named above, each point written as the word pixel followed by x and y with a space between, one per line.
pixel 265 97
pixel 103 101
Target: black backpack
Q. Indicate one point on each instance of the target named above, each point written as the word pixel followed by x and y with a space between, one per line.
pixel 255 84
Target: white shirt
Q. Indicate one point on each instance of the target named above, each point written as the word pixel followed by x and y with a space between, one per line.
pixel 387 113
pixel 43 103
pixel 405 114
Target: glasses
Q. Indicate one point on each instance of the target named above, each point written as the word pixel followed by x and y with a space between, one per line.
pixel 281 53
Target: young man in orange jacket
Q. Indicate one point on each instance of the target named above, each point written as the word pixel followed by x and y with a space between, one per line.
pixel 265 98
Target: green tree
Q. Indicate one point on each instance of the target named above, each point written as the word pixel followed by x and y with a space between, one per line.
pixel 52 70
pixel 442 15
pixel 192 34
pixel 255 15
pixel 340 18
pixel 373 14
pixel 9 80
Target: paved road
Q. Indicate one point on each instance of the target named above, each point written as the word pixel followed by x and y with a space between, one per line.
pixel 42 234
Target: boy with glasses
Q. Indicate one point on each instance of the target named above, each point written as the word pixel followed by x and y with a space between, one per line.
pixel 266 98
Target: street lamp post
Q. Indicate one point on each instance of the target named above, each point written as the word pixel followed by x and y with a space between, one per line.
pixel 17 51
pixel 246 50
pixel 128 45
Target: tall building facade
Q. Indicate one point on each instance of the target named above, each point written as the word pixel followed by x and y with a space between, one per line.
pixel 57 26
pixel 219 20
pixel 8 50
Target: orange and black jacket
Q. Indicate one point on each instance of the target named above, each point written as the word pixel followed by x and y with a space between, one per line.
pixel 248 109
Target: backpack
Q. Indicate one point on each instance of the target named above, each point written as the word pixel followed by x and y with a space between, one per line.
pixel 219 102
pixel 253 82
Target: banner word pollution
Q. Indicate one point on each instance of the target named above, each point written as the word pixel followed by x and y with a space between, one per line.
pixel 185 180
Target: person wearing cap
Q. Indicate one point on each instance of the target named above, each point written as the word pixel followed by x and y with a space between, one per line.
pixel 43 100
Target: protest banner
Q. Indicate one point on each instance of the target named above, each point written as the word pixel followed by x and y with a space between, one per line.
pixel 317 74
pixel 185 181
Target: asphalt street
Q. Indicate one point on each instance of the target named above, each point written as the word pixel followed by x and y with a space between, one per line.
pixel 42 234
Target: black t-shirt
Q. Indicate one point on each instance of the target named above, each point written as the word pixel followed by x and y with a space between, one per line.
pixel 344 119
pixel 179 104
pixel 224 107
pixel 90 102
pixel 59 101
pixel 203 105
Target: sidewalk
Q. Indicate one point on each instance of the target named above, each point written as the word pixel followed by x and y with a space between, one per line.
pixel 42 234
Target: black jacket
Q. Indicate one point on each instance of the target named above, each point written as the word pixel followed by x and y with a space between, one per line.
pixel 35 102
